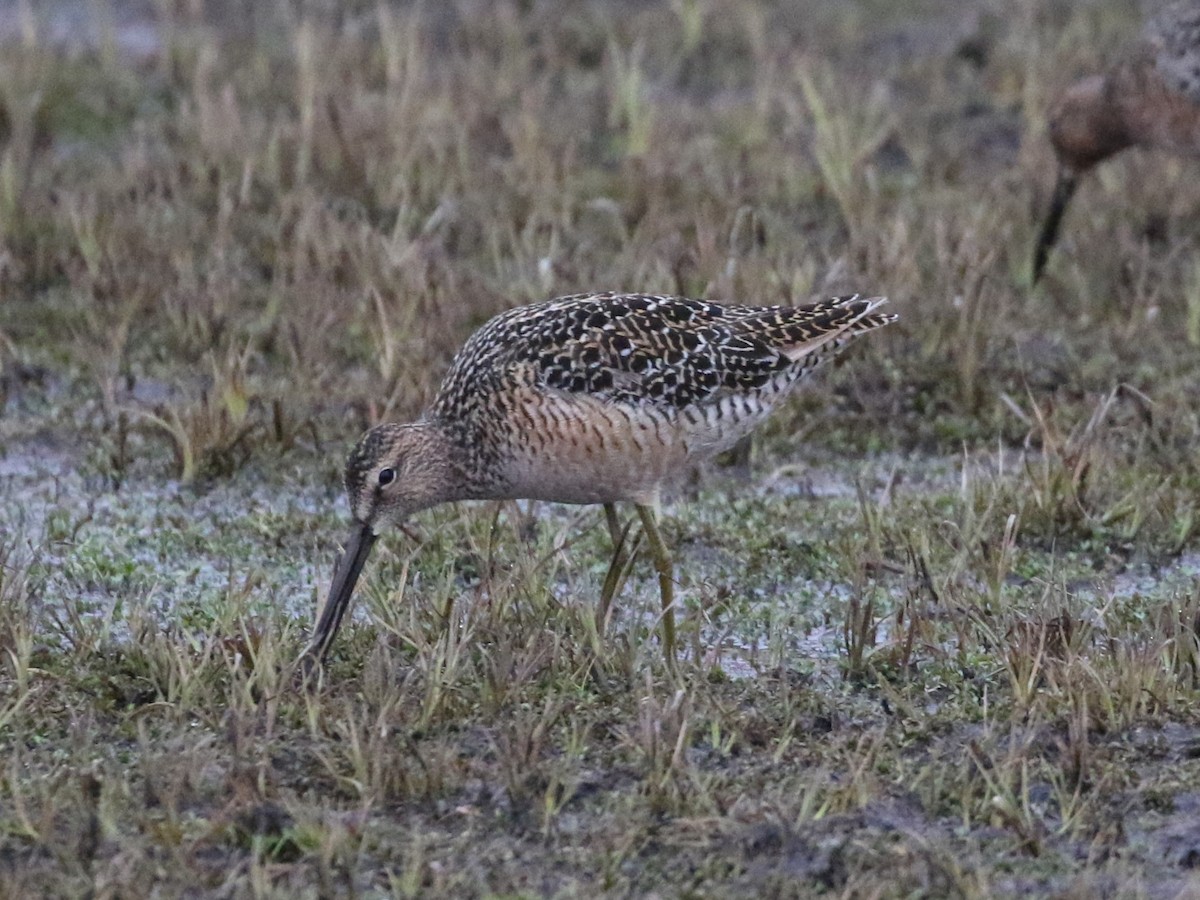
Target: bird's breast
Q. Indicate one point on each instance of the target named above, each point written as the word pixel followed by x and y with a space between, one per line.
pixel 582 449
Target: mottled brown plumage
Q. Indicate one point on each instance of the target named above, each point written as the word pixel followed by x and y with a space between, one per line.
pixel 594 398
pixel 1150 98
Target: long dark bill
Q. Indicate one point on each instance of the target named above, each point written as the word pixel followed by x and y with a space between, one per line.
pixel 345 575
pixel 1064 189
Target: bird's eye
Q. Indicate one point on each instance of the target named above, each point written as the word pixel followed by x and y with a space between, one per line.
pixel 386 476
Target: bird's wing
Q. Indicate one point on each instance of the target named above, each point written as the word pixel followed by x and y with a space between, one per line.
pixel 678 352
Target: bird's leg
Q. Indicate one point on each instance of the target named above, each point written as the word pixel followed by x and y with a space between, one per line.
pixel 666 585
pixel 618 568
pixel 614 523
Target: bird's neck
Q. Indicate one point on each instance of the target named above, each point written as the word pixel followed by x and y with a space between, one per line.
pixel 432 471
pixel 450 463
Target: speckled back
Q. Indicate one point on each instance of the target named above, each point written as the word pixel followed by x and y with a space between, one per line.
pixel 578 371
pixel 636 348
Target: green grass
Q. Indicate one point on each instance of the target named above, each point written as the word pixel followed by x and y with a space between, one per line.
pixel 941 642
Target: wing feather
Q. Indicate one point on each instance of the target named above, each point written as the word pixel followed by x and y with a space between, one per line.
pixel 668 350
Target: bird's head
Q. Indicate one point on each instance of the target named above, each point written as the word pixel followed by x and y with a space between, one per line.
pixel 1087 124
pixel 395 471
pixel 392 472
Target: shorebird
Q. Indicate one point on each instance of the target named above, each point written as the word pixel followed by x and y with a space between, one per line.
pixel 593 398
pixel 1151 98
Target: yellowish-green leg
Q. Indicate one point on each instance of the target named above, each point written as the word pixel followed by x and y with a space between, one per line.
pixel 618 569
pixel 613 522
pixel 666 584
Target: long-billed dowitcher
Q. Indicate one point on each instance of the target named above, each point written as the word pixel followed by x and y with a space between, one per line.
pixel 594 398
pixel 1151 98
